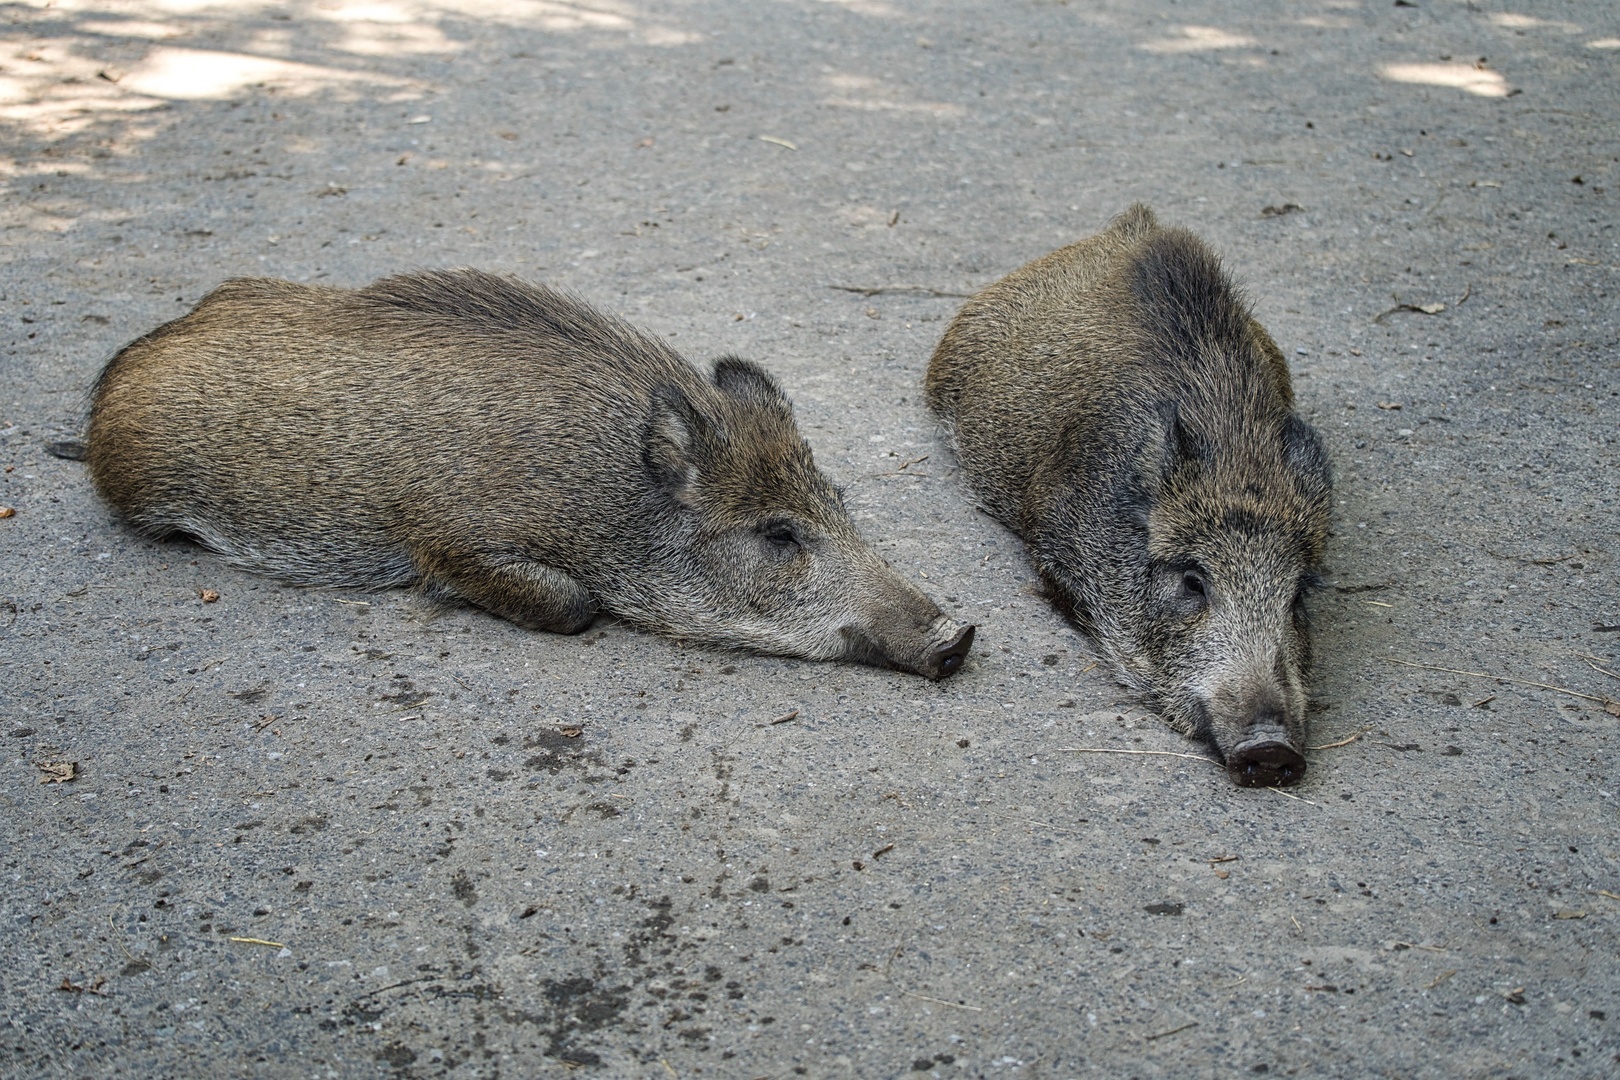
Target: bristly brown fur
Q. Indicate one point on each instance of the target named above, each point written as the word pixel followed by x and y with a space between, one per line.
pixel 1118 406
pixel 505 445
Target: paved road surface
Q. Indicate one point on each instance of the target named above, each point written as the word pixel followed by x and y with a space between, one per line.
pixel 319 835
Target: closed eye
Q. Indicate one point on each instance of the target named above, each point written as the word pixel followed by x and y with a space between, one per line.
pixel 781 535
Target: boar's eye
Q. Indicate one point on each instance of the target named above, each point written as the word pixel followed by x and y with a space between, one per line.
pixel 1192 583
pixel 780 535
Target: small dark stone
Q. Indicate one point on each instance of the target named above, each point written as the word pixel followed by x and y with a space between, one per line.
pixel 396 1054
pixel 1167 907
pixel 462 889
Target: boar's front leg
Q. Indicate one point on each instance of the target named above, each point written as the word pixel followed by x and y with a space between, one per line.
pixel 528 593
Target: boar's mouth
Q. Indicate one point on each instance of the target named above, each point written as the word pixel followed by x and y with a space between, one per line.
pixel 936 660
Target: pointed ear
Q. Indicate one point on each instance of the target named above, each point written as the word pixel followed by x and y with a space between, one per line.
pixel 1178 443
pixel 1167 445
pixel 676 432
pixel 1307 456
pixel 1272 361
pixel 748 382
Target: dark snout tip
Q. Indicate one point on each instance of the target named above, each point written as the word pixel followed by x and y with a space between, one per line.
pixel 1265 763
pixel 947 659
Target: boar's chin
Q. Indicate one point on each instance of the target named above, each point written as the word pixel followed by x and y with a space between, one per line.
pixel 861 649
pixel 1190 716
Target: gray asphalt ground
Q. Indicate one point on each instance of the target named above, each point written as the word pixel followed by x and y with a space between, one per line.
pixel 313 834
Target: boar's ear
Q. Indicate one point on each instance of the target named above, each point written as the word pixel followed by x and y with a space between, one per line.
pixel 1178 443
pixel 676 435
pixel 1165 447
pixel 1272 362
pixel 1306 456
pixel 748 382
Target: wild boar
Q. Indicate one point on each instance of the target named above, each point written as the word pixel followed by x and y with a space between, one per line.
pixel 501 444
pixel 1117 406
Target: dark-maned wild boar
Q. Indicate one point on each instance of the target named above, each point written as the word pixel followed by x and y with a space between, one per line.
pixel 501 444
pixel 1115 404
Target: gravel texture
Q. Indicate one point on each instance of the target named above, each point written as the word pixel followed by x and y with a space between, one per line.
pixel 314 834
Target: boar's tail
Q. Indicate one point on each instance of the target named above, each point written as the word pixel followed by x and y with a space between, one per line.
pixel 1134 221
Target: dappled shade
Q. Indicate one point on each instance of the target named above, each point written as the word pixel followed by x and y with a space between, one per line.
pixel 1468 77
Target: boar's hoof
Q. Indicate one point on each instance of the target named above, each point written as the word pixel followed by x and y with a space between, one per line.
pixel 1265 762
pixel 946 659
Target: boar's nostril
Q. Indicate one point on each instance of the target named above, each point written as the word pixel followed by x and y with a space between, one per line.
pixel 948 658
pixel 1265 763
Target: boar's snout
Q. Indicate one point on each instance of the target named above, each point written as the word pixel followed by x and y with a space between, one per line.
pixel 1265 757
pixel 951 641
pixel 935 650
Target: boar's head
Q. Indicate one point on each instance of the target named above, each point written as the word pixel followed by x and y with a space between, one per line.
pixel 1235 528
pixel 753 547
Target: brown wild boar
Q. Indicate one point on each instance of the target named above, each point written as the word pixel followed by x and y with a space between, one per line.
pixel 1116 405
pixel 501 444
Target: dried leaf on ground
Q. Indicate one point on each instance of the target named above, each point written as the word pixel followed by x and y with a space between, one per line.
pixel 58 772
